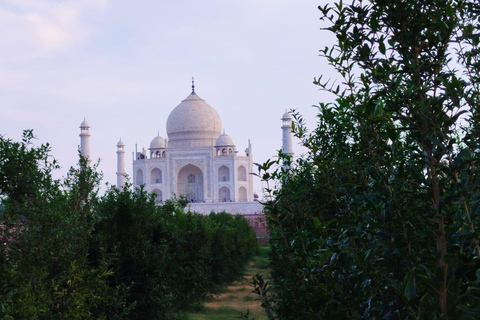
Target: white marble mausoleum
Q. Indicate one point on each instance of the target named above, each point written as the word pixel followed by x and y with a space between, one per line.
pixel 196 159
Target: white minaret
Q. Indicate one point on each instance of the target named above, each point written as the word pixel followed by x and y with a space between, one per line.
pixel 85 140
pixel 120 164
pixel 287 147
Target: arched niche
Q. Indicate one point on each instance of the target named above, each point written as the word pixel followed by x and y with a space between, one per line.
pixel 223 174
pixel 242 173
pixel 224 194
pixel 190 183
pixel 139 177
pixel 156 176
pixel 242 194
pixel 158 196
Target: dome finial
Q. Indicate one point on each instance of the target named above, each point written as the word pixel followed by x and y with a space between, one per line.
pixel 193 85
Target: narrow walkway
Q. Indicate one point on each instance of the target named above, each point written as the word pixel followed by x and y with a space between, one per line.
pixel 238 298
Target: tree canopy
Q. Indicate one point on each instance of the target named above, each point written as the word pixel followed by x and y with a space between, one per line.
pixel 68 252
pixel 380 219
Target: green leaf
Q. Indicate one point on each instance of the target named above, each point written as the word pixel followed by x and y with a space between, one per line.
pixel 316 222
pixel 410 291
pixel 381 46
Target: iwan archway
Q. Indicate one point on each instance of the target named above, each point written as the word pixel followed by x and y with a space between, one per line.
pixel 190 183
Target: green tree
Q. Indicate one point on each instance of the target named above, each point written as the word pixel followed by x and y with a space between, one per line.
pixel 380 219
pixel 66 252
pixel 44 271
pixel 166 259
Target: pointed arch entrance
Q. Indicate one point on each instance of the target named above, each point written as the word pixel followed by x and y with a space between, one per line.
pixel 190 183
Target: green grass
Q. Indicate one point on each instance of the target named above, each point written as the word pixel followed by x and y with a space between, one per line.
pixel 237 298
pixel 250 298
pixel 262 260
pixel 221 313
pixel 264 251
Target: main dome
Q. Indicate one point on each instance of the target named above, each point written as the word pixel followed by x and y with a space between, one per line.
pixel 193 123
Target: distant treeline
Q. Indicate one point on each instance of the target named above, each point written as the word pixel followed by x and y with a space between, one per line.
pixel 67 252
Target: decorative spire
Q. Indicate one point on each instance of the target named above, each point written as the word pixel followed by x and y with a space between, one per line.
pixel 193 85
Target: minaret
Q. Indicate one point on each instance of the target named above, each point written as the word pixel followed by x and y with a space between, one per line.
pixel 120 164
pixel 287 147
pixel 85 141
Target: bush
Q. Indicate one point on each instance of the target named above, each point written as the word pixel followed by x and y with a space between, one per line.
pixel 67 252
pixel 380 219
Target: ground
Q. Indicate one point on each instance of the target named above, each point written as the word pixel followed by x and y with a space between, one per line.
pixel 237 298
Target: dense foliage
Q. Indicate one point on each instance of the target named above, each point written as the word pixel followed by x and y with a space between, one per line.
pixel 380 219
pixel 67 252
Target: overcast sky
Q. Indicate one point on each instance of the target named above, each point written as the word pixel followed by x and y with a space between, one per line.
pixel 124 66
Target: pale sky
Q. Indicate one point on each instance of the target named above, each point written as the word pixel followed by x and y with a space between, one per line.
pixel 125 65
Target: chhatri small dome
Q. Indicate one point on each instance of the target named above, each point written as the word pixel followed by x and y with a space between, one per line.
pixel 84 124
pixel 286 116
pixel 193 122
pixel 157 143
pixel 120 143
pixel 224 141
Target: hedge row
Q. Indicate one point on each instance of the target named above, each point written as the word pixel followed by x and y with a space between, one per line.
pixel 67 252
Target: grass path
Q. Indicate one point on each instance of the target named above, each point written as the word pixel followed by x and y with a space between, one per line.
pixel 237 297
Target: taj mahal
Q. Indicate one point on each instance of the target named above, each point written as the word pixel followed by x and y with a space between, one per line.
pixel 197 160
